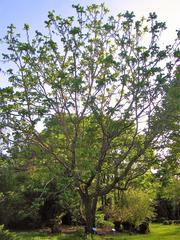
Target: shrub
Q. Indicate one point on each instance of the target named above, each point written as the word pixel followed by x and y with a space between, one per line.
pixel 128 226
pixel 134 207
pixel 143 228
pixel 100 220
pixel 55 224
pixel 176 221
pixel 5 234
pixel 118 226
pixel 167 222
pixel 161 220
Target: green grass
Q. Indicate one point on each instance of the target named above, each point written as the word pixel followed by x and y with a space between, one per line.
pixel 158 232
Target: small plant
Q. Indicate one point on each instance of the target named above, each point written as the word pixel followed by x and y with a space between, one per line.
pixel 56 223
pixel 5 234
pixel 101 222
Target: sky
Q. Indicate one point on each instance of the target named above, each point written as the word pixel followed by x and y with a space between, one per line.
pixel 34 12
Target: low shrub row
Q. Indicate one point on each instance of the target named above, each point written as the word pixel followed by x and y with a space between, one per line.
pixel 143 228
pixel 169 222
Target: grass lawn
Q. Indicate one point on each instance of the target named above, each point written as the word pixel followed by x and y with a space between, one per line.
pixel 158 232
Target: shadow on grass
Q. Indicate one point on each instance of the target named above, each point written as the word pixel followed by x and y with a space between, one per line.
pixel 45 236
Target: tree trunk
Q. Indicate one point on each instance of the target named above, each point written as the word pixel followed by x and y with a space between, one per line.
pixel 90 213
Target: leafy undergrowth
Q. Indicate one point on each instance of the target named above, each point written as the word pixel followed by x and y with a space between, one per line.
pixel 158 232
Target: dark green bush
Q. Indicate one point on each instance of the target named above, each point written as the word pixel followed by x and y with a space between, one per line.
pixel 168 222
pixel 161 220
pixel 118 226
pixel 177 221
pixel 5 234
pixel 171 221
pixel 143 228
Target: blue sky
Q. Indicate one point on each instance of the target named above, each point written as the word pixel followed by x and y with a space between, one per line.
pixel 34 12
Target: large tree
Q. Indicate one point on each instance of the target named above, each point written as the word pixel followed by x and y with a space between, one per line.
pixel 168 115
pixel 102 79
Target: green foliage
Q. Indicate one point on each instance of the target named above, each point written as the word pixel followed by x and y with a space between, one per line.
pixel 133 206
pixel 22 203
pixel 19 205
pixel 169 194
pixel 171 191
pixel 168 164
pixel 100 222
pixel 5 234
pixel 168 222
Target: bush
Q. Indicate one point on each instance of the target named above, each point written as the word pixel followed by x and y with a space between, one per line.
pixel 176 221
pixel 128 226
pixel 168 222
pixel 161 220
pixel 5 234
pixel 118 226
pixel 143 228
pixel 101 222
pixel 133 209
pixel 55 224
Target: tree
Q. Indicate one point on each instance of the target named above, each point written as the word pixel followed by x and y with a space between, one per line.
pixel 100 77
pixel 170 194
pixel 32 191
pixel 170 133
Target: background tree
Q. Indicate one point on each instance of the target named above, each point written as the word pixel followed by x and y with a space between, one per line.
pixel 34 193
pixel 101 77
